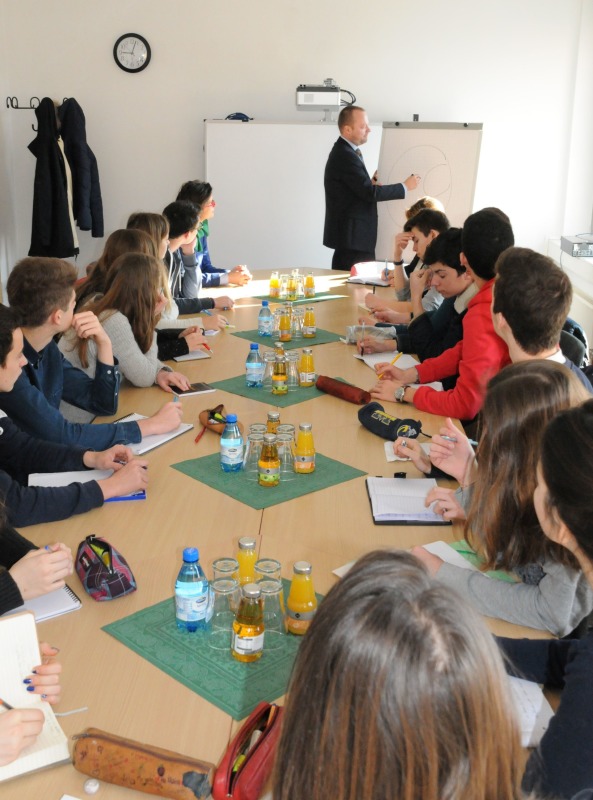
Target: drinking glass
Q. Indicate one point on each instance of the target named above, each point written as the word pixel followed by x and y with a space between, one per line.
pixel 272 595
pixel 285 444
pixel 267 568
pixel 225 595
pixel 292 370
pixel 269 359
pixel 225 567
pixel 255 442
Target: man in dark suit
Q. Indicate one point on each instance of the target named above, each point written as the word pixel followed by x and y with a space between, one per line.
pixel 351 196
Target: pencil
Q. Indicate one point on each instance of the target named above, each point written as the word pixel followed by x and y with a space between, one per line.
pixel 6 705
pixel 391 363
pixel 207 347
pixel 199 436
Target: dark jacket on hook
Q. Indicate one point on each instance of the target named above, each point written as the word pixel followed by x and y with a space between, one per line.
pixel 86 190
pixel 52 231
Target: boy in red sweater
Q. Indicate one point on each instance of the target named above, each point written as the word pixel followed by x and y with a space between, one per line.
pixel 481 353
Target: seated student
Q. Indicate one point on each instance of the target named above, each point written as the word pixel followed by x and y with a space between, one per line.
pixel 41 291
pixel 395 693
pixel 27 571
pixel 481 353
pixel 200 194
pixel 20 727
pixel 550 593
pixel 119 242
pixel 185 276
pixel 401 273
pixel 171 341
pixel 422 230
pixel 531 300
pixel 128 312
pixel 562 765
pixel 21 455
pixel 430 334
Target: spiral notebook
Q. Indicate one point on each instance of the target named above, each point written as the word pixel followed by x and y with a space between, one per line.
pixel 50 605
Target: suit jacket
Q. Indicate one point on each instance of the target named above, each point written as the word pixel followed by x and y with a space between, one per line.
pixel 351 200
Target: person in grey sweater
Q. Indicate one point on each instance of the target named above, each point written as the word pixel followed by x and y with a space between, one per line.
pixel 549 591
pixel 128 312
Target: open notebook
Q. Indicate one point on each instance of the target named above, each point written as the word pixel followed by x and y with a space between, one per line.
pixel 150 442
pixel 400 501
pixel 20 653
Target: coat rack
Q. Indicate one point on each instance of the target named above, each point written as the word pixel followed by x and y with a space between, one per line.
pixel 12 102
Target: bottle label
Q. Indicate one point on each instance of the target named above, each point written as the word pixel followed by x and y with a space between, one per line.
pixel 307 378
pixel 231 454
pixel 299 621
pixel 309 331
pixel 264 327
pixel 247 645
pixel 309 291
pixel 274 291
pixel 191 609
pixel 254 374
pixel 304 463
pixel 269 476
pixel 279 386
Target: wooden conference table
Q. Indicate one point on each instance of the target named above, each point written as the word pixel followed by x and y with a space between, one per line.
pixel 127 695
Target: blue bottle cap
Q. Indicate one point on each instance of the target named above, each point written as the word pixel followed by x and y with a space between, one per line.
pixel 254 346
pixel 231 417
pixel 264 303
pixel 191 554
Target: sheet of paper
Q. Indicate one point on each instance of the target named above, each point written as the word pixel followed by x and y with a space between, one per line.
pixel 534 710
pixel 405 361
pixel 150 442
pixel 449 555
pixel 390 455
pixel 401 499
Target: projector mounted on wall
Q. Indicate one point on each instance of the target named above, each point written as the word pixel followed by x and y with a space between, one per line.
pixel 327 97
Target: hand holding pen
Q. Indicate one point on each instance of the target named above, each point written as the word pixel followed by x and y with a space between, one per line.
pixel 452 452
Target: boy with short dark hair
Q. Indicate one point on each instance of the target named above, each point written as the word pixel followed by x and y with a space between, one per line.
pixel 185 276
pixel 41 290
pixel 481 353
pixel 531 301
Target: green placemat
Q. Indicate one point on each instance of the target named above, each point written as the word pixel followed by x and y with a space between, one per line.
pixel 215 675
pixel 237 386
pixel 463 548
pixel 319 297
pixel 322 337
pixel 328 472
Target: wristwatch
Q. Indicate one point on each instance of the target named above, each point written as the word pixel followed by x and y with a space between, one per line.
pixel 399 394
pixel 399 263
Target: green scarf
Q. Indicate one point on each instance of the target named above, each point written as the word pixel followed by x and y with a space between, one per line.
pixel 202 231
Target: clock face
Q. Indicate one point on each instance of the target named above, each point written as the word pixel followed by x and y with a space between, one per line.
pixel 131 52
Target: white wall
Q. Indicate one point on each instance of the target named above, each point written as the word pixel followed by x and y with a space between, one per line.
pixel 511 65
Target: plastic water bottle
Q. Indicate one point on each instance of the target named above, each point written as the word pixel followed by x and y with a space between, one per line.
pixel 191 593
pixel 265 320
pixel 231 446
pixel 254 367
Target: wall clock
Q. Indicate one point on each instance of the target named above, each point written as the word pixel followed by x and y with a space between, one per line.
pixel 131 52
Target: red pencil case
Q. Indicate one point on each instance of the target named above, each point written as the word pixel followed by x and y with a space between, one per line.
pixel 248 760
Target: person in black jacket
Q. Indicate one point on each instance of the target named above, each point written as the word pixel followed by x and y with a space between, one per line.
pixel 351 196
pixel 21 455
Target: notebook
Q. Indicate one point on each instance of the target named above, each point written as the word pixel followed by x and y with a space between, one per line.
pixel 400 501
pixel 369 272
pixel 150 442
pixel 194 388
pixel 193 355
pixel 20 652
pixel 50 605
pixel 81 476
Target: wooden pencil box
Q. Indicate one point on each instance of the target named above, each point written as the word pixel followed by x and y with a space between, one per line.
pixel 143 767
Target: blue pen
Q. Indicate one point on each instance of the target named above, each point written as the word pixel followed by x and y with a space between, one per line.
pixel 206 313
pixel 175 398
pixel 454 440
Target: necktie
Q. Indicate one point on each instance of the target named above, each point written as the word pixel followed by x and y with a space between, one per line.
pixel 358 153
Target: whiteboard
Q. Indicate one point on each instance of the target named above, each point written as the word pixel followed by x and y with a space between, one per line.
pixel 267 180
pixel 446 157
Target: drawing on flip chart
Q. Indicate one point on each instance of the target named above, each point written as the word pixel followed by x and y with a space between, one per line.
pixel 446 157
